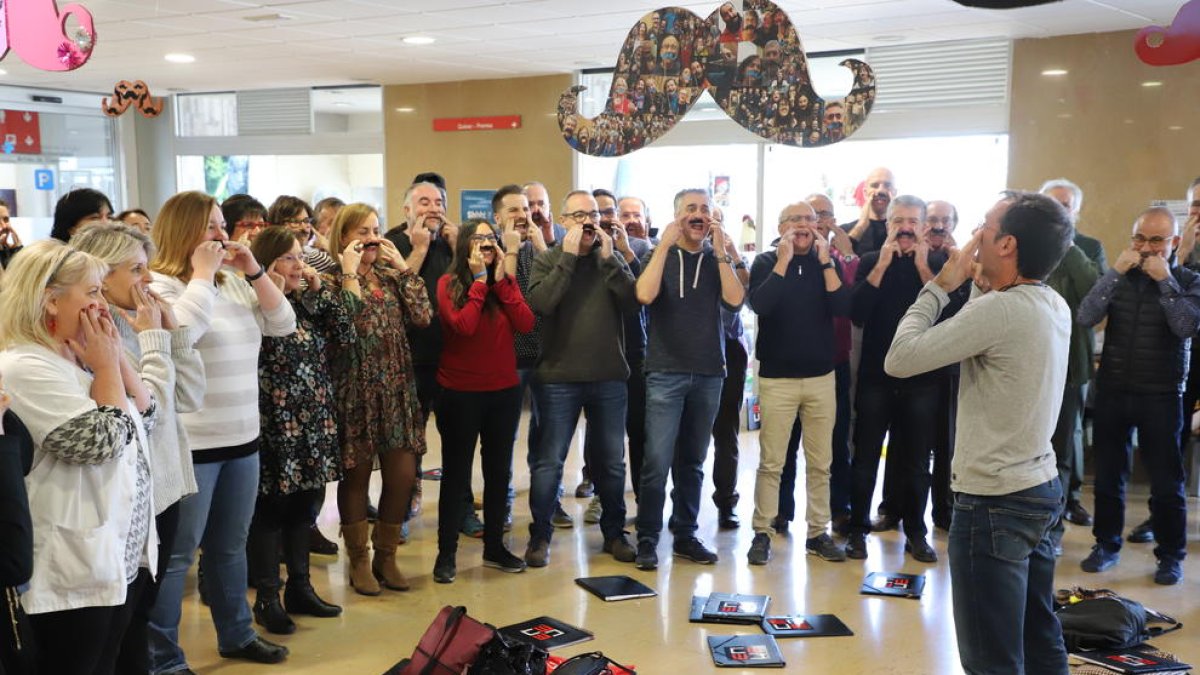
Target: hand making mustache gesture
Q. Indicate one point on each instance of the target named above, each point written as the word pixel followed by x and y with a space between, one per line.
pixel 962 266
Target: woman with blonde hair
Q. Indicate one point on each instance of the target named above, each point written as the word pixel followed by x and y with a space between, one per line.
pixel 228 315
pixel 379 416
pixel 168 364
pixel 300 451
pixel 90 487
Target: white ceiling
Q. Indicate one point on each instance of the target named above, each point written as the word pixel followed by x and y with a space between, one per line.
pixel 340 42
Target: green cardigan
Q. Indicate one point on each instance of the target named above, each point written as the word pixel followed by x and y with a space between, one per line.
pixel 1072 279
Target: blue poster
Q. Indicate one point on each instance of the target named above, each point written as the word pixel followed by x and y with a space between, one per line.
pixel 476 204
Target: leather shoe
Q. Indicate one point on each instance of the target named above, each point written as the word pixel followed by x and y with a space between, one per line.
pixel 920 550
pixel 728 520
pixel 884 523
pixel 319 544
pixel 1142 534
pixel 259 651
pixel 856 546
pixel 1077 515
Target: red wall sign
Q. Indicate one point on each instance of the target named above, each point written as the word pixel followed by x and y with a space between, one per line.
pixel 20 133
pixel 495 123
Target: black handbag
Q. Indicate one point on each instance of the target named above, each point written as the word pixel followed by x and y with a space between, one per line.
pixel 502 656
pixel 1111 622
pixel 592 663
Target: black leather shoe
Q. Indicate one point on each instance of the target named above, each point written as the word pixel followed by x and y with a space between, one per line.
pixel 1077 515
pixel 856 546
pixel 884 523
pixel 259 651
pixel 920 550
pixel 269 614
pixel 1142 534
pixel 728 520
pixel 779 525
pixel 303 599
pixel 445 569
pixel 317 543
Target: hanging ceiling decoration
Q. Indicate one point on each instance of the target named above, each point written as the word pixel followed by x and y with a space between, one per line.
pixel 1174 45
pixel 1004 4
pixel 136 95
pixel 750 61
pixel 37 31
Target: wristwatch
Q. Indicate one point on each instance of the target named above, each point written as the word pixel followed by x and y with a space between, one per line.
pixel 827 266
pixel 741 265
pixel 727 259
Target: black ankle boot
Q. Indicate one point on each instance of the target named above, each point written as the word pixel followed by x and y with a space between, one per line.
pixel 270 615
pixel 298 595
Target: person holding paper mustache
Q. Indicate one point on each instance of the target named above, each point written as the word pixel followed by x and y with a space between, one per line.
pixel 886 284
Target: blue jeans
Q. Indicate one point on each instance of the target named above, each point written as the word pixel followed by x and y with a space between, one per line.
pixel 1002 581
pixel 217 519
pixel 1157 419
pixel 680 409
pixel 559 406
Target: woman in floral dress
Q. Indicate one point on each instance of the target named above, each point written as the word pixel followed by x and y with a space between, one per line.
pixel 299 451
pixel 379 417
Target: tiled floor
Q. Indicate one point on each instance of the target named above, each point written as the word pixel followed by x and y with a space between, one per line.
pixel 891 635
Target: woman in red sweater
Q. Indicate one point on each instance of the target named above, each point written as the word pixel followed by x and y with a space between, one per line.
pixel 480 307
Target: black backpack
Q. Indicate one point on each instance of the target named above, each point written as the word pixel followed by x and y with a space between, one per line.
pixel 1110 622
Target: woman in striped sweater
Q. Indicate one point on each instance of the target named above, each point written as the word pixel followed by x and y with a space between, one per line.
pixel 228 316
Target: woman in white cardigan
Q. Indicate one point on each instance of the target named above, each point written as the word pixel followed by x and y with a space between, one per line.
pixel 90 488
pixel 228 315
pixel 171 367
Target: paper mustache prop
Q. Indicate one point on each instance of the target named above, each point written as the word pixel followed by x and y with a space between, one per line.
pixel 1176 44
pixel 134 95
pixel 37 31
pixel 750 61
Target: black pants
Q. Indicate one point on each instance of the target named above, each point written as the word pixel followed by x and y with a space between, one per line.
pixel 278 519
pixel 463 418
pixel 134 657
pixel 726 426
pixel 908 413
pixel 635 421
pixel 86 640
pixel 943 451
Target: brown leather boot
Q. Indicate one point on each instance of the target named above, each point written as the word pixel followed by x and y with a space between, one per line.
pixel 361 579
pixel 385 539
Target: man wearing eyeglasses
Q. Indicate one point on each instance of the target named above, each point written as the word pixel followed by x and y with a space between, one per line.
pixel 904 409
pixel 796 290
pixel 582 290
pixel 685 283
pixel 1153 308
pixel 841 252
pixel 10 243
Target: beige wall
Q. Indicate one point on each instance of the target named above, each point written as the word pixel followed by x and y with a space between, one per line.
pixel 1099 127
pixel 475 160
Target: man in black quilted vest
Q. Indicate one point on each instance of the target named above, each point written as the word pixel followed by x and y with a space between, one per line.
pixel 1153 310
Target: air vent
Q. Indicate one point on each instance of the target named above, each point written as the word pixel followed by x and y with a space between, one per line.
pixel 274 112
pixel 941 74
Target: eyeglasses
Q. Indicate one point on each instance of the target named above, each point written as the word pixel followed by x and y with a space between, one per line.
pixel 583 216
pixel 1153 241
pixel 300 221
pixel 805 218
pixel 483 237
pixel 935 220
pixel 608 212
pixel 822 215
pixel 254 224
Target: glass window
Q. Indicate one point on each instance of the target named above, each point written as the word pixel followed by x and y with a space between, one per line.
pixel 206 114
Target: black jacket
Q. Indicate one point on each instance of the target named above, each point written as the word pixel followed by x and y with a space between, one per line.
pixel 16 529
pixel 1142 355
pixel 795 316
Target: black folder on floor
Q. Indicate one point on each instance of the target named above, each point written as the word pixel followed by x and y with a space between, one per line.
pixel 1132 661
pixel 805 625
pixel 546 632
pixel 893 583
pixel 745 651
pixel 616 587
pixel 728 608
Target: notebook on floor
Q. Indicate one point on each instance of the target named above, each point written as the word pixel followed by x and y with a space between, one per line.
pixel 617 587
pixel 735 608
pixel 546 632
pixel 1131 661
pixel 805 625
pixel 893 583
pixel 745 651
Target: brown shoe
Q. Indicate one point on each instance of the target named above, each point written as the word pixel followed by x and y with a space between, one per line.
pixel 384 539
pixel 361 579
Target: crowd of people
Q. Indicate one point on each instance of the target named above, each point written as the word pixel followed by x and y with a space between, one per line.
pixel 196 387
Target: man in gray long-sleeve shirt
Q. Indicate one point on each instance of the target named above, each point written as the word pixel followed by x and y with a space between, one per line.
pixel 1012 339
pixel 582 291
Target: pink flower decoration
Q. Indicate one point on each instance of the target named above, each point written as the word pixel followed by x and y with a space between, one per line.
pixel 70 55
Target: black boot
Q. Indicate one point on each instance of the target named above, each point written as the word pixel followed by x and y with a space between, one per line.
pixel 262 547
pixel 299 596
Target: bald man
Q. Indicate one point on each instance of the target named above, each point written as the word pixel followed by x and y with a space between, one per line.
pixel 870 230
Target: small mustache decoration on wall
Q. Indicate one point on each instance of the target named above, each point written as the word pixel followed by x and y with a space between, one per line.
pixel 134 95
pixel 1172 45
pixel 749 60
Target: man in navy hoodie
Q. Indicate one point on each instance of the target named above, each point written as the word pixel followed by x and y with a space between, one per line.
pixel 796 290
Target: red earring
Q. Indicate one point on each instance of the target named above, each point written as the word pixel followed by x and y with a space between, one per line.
pixel 51 325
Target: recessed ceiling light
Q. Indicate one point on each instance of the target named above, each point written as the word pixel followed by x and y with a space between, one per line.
pixel 1175 127
pixel 405 109
pixel 1064 116
pixel 180 58
pixel 3 71
pixel 1054 72
pixel 1152 83
pixel 419 40
pixel 259 18
pixel 889 38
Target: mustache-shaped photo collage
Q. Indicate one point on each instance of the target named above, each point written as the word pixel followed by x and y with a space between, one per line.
pixel 750 61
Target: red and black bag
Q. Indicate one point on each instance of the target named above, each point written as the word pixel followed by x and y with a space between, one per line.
pixel 448 647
